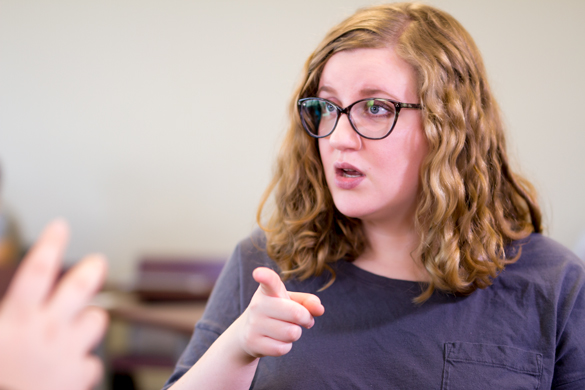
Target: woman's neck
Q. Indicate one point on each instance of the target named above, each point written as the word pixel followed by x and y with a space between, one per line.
pixel 391 252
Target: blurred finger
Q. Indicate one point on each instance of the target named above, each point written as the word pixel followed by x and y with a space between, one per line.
pixel 78 286
pixel 309 301
pixel 90 327
pixel 35 277
pixel 270 283
pixel 93 371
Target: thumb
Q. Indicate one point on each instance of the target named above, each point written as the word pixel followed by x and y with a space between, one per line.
pixel 270 283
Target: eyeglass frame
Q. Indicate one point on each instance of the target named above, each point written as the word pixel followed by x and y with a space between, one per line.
pixel 346 111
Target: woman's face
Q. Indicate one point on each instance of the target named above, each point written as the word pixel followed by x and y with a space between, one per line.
pixel 374 180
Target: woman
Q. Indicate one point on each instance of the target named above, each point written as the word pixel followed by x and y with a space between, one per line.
pixel 397 215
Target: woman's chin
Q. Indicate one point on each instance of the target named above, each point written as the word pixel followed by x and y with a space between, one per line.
pixel 351 211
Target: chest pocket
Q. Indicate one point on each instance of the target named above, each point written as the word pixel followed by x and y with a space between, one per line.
pixel 473 366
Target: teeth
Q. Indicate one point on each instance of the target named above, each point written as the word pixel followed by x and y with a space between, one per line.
pixel 350 173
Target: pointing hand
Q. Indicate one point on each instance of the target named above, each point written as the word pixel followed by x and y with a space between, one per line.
pixel 273 320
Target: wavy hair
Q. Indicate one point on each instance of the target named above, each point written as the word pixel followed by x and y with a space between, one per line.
pixel 471 207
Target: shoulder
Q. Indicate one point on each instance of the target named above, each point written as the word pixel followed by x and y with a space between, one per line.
pixel 544 256
pixel 250 253
pixel 546 267
pixel 235 286
pixel 558 275
pixel 542 247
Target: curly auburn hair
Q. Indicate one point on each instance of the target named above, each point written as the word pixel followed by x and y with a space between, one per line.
pixel 471 206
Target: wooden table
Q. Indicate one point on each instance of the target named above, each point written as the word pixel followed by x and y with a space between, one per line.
pixel 175 316
pixel 127 364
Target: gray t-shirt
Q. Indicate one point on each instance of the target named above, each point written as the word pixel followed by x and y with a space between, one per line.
pixel 526 331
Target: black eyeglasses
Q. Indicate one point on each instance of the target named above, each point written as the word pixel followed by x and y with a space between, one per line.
pixel 372 118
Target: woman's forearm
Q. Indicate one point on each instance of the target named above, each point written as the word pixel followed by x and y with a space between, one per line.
pixel 223 366
pixel 268 327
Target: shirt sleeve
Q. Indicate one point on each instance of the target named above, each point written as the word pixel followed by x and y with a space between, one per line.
pixel 223 308
pixel 231 295
pixel 569 372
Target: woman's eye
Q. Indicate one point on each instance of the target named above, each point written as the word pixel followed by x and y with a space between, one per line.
pixel 378 108
pixel 330 107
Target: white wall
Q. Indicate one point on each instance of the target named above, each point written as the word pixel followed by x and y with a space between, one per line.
pixel 152 125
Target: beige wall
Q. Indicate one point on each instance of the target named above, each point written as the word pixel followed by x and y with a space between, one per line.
pixel 152 125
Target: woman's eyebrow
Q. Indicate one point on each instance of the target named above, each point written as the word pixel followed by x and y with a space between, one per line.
pixel 376 92
pixel 364 93
pixel 326 88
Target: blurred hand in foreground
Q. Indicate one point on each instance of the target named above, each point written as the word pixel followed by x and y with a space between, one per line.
pixel 47 329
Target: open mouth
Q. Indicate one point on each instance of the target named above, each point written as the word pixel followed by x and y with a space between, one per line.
pixel 347 176
pixel 349 173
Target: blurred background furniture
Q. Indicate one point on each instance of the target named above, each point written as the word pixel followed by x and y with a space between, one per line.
pixel 6 272
pixel 152 322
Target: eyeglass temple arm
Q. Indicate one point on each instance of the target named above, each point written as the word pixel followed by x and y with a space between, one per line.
pixel 410 105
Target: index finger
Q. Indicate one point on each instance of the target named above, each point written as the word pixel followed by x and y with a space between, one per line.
pixel 78 286
pixel 36 275
pixel 270 283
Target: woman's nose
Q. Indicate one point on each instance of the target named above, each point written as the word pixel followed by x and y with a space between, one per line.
pixel 344 136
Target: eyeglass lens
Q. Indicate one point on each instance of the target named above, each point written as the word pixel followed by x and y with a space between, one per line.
pixel 372 118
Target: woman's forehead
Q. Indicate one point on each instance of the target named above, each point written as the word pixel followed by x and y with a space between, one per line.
pixel 361 73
